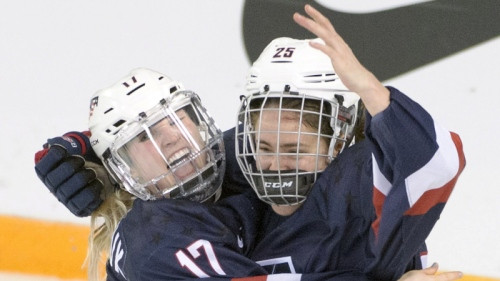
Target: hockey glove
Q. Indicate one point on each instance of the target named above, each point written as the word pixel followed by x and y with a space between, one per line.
pixel 60 165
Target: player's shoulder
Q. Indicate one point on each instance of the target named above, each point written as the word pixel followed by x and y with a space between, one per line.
pixel 359 150
pixel 175 223
pixel 350 163
pixel 347 180
pixel 148 238
pixel 158 215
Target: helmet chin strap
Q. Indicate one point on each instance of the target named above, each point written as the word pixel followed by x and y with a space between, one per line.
pixel 276 186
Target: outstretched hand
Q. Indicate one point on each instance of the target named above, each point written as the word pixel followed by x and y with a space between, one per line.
pixel 352 73
pixel 429 274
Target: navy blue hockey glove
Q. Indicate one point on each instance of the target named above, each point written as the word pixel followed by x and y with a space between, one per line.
pixel 61 167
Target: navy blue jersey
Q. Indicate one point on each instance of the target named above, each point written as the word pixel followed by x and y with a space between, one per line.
pixel 183 240
pixel 366 217
pixel 374 205
pixel 322 276
pixel 179 239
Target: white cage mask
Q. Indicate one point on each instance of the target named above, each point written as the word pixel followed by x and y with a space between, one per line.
pixel 288 139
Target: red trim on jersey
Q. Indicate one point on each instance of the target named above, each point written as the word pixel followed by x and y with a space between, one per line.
pixel 440 195
pixel 378 203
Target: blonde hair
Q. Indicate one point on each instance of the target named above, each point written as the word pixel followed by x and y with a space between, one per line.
pixel 103 223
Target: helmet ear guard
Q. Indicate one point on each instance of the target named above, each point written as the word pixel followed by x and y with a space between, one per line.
pixel 344 127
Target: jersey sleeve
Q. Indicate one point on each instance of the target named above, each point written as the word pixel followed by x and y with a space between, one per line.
pixel 416 164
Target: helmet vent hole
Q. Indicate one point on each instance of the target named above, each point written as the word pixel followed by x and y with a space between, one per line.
pixel 105 112
pixel 119 123
pixel 160 78
pixel 320 78
pixel 330 77
pixel 173 89
pixel 314 78
pixel 135 89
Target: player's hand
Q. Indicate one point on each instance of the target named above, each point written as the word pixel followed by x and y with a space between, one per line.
pixel 429 274
pixel 352 73
pixel 63 166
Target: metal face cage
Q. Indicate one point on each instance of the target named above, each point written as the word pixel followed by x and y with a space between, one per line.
pixel 286 140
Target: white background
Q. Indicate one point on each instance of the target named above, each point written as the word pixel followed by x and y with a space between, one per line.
pixel 54 54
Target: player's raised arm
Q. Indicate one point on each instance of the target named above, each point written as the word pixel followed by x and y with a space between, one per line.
pixel 352 73
pixel 416 162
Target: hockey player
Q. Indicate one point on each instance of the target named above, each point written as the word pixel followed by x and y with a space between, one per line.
pixel 375 204
pixel 158 142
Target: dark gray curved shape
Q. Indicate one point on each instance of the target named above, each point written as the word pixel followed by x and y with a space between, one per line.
pixel 388 43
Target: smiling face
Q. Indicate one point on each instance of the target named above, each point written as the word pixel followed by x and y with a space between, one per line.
pixel 167 152
pixel 280 147
pixel 291 139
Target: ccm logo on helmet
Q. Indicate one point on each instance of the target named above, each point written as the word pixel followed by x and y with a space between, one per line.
pixel 278 184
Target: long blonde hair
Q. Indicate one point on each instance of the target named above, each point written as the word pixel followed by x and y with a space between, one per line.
pixel 103 223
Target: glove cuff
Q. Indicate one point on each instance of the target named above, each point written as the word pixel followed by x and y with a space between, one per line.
pixel 83 138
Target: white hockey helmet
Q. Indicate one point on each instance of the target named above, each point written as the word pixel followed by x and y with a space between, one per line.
pixel 156 139
pixel 291 70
